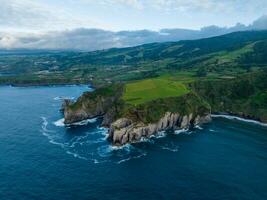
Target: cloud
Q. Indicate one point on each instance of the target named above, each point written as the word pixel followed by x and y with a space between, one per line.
pixel 23 12
pixel 97 39
pixel 133 3
pixel 130 3
pixel 29 15
pixel 189 5
pixel 260 23
pixel 182 5
pixel 35 15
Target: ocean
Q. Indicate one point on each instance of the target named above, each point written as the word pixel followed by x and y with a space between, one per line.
pixel 42 159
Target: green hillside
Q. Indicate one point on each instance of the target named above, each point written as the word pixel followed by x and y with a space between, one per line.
pixel 245 95
pixel 228 55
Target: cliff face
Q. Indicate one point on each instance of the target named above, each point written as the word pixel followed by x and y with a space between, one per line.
pixel 144 120
pixel 129 123
pixel 244 96
pixel 125 131
pixel 91 105
pixel 87 110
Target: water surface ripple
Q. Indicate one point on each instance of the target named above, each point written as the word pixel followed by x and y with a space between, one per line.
pixel 42 159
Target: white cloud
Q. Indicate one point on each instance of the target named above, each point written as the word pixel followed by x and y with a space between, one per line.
pixel 186 5
pixel 206 5
pixel 96 39
pixel 163 4
pixel 133 3
pixel 138 4
pixel 36 15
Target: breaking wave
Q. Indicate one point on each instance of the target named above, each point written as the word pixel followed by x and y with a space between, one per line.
pixel 170 147
pixel 84 122
pixel 198 127
pixel 177 132
pixel 239 119
pixel 60 122
pixel 90 143
pixel 62 98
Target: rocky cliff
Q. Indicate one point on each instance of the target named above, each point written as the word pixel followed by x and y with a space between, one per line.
pixel 125 131
pixel 244 96
pixel 93 104
pixel 129 123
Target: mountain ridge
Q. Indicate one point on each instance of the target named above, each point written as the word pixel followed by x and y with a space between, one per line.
pixel 235 52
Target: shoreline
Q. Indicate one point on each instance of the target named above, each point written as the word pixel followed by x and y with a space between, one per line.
pixel 34 84
pixel 90 85
pixel 46 85
pixel 226 116
pixel 235 117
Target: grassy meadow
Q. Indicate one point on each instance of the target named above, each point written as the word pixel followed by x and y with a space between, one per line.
pixel 150 89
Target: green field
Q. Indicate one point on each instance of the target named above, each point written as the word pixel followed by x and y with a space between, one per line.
pixel 150 89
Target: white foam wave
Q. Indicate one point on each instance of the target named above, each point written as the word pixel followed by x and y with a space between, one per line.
pixel 126 147
pixel 84 122
pixel 95 161
pixel 81 140
pixel 56 143
pixel 171 146
pixel 123 153
pixel 77 145
pixel 239 119
pixel 59 123
pixel 188 132
pixel 103 131
pixel 45 124
pixel 158 135
pixel 161 134
pixel 47 133
pixel 76 155
pixel 198 127
pixel 170 149
pixel 177 132
pixel 62 98
pixel 104 151
pixel 147 139
pixel 130 158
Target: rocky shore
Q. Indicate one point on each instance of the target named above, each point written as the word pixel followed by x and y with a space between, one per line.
pixel 125 131
pixel 129 123
pixel 101 102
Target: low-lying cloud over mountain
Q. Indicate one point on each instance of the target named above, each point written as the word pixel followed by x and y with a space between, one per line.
pixel 96 39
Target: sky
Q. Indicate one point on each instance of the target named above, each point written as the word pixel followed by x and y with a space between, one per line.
pixel 116 15
pixel 100 24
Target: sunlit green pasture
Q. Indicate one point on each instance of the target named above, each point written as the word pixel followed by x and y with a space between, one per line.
pixel 150 89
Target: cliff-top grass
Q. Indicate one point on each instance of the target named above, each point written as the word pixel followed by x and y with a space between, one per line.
pixel 151 89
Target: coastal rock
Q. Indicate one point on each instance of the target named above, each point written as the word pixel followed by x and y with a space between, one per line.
pixel 65 104
pixel 202 119
pixel 129 123
pixel 94 104
pixel 124 131
pixel 87 110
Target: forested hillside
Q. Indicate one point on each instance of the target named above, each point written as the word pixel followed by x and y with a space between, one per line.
pixel 227 55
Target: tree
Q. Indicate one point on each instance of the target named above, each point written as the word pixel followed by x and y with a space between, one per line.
pixel 201 73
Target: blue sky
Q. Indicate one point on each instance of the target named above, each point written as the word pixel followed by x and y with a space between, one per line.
pixel 36 15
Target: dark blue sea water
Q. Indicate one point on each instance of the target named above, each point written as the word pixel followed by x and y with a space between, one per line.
pixel 43 160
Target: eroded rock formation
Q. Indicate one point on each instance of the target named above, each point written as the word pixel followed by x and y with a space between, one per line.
pixel 128 123
pixel 125 131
